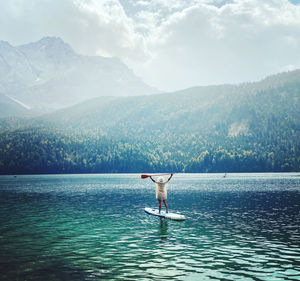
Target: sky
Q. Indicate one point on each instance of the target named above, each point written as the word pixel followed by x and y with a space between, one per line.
pixel 169 44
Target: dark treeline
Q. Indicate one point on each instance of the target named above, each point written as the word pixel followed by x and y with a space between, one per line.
pixel 56 151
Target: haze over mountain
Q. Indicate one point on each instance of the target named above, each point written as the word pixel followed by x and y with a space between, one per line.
pixel 186 110
pixel 49 75
pixel 250 127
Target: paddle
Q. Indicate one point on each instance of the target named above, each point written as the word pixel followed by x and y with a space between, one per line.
pixel 146 176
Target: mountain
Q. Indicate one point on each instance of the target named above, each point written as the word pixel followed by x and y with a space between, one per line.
pixel 9 107
pixel 198 109
pixel 48 75
pixel 250 127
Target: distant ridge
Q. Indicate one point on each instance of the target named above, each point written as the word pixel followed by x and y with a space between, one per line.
pixel 11 107
pixel 190 101
pixel 48 75
pixel 249 127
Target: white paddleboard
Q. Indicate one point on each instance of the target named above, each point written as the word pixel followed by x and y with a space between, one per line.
pixel 163 214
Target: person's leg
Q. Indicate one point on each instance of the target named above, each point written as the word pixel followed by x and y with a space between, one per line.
pixel 166 205
pixel 159 205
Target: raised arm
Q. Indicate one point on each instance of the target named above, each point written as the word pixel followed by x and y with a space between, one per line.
pixel 170 178
pixel 152 179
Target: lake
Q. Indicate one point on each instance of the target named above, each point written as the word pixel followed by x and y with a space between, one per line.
pixel 93 227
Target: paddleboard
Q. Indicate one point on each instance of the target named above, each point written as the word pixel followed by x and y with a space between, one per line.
pixel 163 214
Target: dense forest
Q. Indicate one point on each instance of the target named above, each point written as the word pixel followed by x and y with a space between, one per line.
pixel 253 127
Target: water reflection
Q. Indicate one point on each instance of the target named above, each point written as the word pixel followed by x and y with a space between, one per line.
pixel 163 229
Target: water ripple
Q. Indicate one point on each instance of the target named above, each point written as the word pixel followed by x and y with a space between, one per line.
pixel 94 228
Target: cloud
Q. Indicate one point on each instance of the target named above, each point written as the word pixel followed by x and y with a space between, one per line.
pixel 24 21
pixel 238 41
pixel 171 44
pixel 90 26
pixel 107 29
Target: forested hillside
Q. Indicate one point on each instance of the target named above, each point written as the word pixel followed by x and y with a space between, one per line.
pixel 252 127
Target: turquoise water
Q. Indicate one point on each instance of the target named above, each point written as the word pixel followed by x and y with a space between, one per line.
pixel 93 227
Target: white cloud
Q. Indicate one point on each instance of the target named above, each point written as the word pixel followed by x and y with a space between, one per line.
pixel 91 27
pixel 240 41
pixel 107 30
pixel 171 44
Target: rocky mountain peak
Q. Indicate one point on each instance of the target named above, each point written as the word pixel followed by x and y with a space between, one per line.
pixel 49 47
pixel 49 74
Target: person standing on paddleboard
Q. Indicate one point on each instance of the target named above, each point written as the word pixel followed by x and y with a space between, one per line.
pixel 161 191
